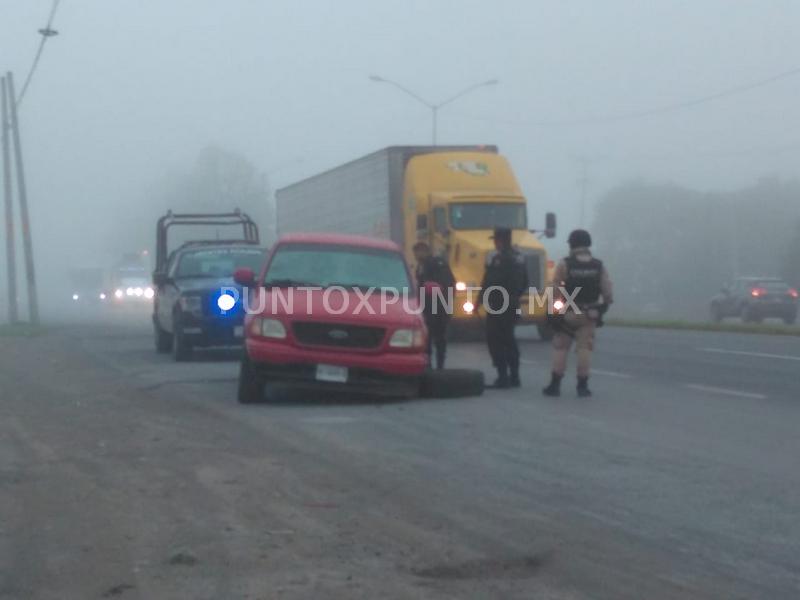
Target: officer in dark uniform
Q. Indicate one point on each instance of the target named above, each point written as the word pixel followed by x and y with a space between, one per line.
pixel 434 274
pixel 505 280
pixel 585 279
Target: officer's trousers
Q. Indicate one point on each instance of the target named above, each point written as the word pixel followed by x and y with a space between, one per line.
pixel 503 347
pixel 437 337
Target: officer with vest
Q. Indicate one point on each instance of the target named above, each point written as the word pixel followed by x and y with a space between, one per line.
pixel 585 280
pixel 504 281
pixel 434 275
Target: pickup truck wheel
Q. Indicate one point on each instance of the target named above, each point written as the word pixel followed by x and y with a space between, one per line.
pixel 163 340
pixel 452 383
pixel 546 332
pixel 790 319
pixel 181 348
pixel 251 385
pixel 716 314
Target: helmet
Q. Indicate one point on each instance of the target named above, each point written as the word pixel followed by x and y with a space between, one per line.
pixel 579 238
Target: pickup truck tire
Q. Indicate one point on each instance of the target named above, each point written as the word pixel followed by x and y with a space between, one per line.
pixel 452 383
pixel 251 385
pixel 546 332
pixel 181 348
pixel 163 339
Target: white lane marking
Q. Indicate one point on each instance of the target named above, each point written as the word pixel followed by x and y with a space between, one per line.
pixel 745 353
pixel 594 371
pixel 611 374
pixel 718 390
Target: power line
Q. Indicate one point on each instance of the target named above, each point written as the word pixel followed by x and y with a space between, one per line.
pixel 745 87
pixel 47 32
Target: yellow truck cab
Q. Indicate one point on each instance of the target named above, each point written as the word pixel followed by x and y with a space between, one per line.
pixel 449 196
pixel 453 201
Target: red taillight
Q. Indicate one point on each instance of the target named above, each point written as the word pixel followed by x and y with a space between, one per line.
pixel 756 292
pixel 793 293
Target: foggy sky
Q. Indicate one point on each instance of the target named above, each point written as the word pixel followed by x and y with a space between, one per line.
pixel 131 88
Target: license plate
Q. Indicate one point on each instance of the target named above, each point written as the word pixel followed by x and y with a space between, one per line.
pixel 238 331
pixel 332 373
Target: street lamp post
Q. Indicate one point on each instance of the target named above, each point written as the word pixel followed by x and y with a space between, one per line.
pixel 434 107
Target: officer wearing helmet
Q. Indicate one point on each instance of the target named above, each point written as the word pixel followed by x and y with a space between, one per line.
pixel 504 281
pixel 436 281
pixel 586 282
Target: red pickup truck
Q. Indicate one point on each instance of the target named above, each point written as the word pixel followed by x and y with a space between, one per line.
pixel 333 311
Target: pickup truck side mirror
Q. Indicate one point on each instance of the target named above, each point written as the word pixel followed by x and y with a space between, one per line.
pixel 550 225
pixel 244 277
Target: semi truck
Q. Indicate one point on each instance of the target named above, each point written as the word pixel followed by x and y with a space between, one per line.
pixel 451 197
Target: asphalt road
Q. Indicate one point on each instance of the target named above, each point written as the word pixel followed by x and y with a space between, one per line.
pixel 124 475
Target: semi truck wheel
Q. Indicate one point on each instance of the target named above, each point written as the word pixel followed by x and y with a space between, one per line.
pixel 452 383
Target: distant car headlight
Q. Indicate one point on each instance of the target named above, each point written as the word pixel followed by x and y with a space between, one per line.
pixel 75 297
pixel 119 294
pixel 149 293
pixel 129 292
pixel 226 302
pixel 191 304
pixel 407 338
pixel 272 328
pixel 102 296
pixel 138 292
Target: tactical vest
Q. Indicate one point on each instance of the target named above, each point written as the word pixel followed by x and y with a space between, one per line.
pixel 585 275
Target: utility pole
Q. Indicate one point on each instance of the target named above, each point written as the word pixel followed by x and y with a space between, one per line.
pixel 11 259
pixel 27 242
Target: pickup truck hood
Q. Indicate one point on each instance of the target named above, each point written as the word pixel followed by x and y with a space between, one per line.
pixel 338 307
pixel 205 284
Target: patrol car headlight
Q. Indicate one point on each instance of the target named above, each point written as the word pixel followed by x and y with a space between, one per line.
pixel 461 286
pixel 407 338
pixel 226 302
pixel 272 328
pixel 191 304
pixel 149 293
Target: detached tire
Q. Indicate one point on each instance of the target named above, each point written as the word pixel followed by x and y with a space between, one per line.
pixel 452 383
pixel 251 385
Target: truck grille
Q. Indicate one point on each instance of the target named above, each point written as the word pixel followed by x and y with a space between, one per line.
pixel 340 336
pixel 533 265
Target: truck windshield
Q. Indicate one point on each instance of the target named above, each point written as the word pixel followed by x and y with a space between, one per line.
pixel 218 262
pixel 488 215
pixel 326 265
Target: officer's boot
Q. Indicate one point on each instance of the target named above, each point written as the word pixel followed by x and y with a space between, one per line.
pixel 554 389
pixel 583 387
pixel 440 355
pixel 502 382
pixel 514 381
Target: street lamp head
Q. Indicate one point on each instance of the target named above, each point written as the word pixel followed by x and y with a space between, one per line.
pixel 492 82
pixel 377 78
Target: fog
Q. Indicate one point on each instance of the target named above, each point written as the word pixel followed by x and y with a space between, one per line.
pixel 130 94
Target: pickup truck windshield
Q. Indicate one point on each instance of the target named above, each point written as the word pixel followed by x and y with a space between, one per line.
pixel 326 265
pixel 218 262
pixel 488 215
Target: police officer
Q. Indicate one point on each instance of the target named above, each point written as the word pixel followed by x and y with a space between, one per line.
pixel 434 274
pixel 504 282
pixel 586 283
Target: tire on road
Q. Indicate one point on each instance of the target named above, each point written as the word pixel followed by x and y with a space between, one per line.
pixel 163 339
pixel 452 383
pixel 251 385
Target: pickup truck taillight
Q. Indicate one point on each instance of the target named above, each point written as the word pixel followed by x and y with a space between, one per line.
pixel 758 292
pixel 793 293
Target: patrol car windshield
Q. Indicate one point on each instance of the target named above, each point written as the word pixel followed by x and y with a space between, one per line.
pixel 218 262
pixel 488 215
pixel 327 265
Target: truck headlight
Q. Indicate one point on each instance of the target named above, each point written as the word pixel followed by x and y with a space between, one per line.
pixel 272 328
pixel 191 304
pixel 407 338
pixel 461 286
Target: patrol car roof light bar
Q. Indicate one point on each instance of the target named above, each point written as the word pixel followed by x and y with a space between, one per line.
pixel 237 217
